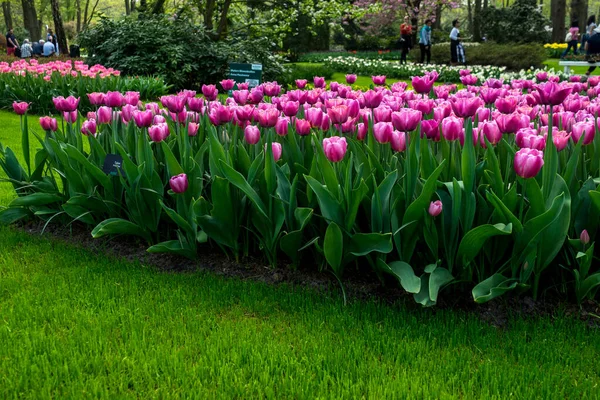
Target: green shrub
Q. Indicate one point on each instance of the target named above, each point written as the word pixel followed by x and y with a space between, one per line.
pixel 522 22
pixel 513 57
pixel 183 53
pixel 305 71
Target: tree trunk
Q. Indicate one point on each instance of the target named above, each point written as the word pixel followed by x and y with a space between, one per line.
pixel 127 9
pixel 438 17
pixel 59 29
pixel 485 4
pixel 222 29
pixel 208 15
pixel 477 22
pixel 558 12
pixel 7 15
pixel 78 5
pixel 470 16
pixel 30 20
pixel 579 13
pixel 159 7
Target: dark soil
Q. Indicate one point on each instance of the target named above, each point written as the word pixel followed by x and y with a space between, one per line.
pixel 358 286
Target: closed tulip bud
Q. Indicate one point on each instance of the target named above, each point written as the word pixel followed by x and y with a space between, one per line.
pixel 69 104
pixel 483 114
pixel 114 99
pixel 561 139
pixel 325 123
pixel 422 84
pixel 361 131
pixel 276 148
pixel 350 79
pixel 383 131
pixel 335 148
pixel 143 119
pixel 452 128
pixel 192 129
pixel 398 141
pixel 127 112
pixel 334 86
pixel 379 79
pixel 252 134
pixel 271 89
pixel 70 116
pixel 179 183
pixel 91 115
pixel 435 208
pixel 158 132
pixel 268 118
pixel 290 108
pixel 585 129
pixel 89 127
pixel 104 115
pixel 406 120
pixel 319 81
pixel 96 99
pixel 159 119
pixel 338 114
pixel 302 127
pixel 490 130
pixel 372 98
pixel 584 237
pixel 48 124
pixel 528 162
pixel 431 129
pixel 210 92
pixel 301 83
pixel 314 116
pixel 20 108
pixel 382 114
pixel 132 98
pixel 227 84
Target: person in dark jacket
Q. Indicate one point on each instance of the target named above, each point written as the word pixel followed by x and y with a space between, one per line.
pixel 592 48
pixel 37 49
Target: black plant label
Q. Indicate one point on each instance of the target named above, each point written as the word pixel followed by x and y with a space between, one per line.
pixel 113 165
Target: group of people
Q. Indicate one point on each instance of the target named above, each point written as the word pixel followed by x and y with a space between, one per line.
pixel 588 43
pixel 42 48
pixel 457 52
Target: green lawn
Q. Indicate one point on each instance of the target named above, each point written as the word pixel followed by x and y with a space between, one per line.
pixel 553 63
pixel 76 324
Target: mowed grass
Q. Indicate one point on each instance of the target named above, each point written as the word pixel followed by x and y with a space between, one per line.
pixel 75 324
pixel 553 63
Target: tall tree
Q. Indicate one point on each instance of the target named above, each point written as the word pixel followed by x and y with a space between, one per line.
pixel 78 24
pixel 59 29
pixel 477 21
pixel 7 15
pixel 579 11
pixel 558 13
pixel 30 19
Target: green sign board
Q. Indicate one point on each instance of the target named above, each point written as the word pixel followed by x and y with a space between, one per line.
pixel 241 73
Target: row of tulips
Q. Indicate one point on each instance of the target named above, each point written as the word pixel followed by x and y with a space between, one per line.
pixel 492 188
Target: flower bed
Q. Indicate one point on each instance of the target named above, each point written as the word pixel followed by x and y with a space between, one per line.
pixel 555 50
pixel 491 189
pixel 447 73
pixel 37 83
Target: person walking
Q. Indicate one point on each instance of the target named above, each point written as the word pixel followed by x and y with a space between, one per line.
pixel 26 49
pixel 572 39
pixel 592 48
pixel 425 41
pixel 405 39
pixel 454 40
pixel 12 44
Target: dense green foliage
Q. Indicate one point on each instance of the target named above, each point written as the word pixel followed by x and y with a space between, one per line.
pixel 522 22
pixel 514 57
pixel 305 71
pixel 179 51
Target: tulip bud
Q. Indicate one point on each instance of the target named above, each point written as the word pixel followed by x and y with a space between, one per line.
pixel 192 129
pixel 383 131
pixel 584 237
pixel 301 83
pixel 89 127
pixel 435 208
pixel 227 84
pixel 48 124
pixel 528 162
pixel 335 148
pixel 179 183
pixel 20 108
pixel 398 141
pixel 276 148
pixel 350 79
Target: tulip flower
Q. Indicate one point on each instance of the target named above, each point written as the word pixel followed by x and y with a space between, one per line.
pixel 383 131
pixel 69 104
pixel 325 123
pixel 301 83
pixel 114 99
pixel 132 98
pixel 372 98
pixel 338 114
pixel 195 104
pixel 526 139
pixel 243 85
pixel 468 79
pixel 350 79
pixel 561 139
pixel 465 107
pixel 335 148
pixel 268 118
pixel 584 237
pixel 127 112
pixel 96 99
pixel 256 96
pixel 190 94
pixel 20 108
pixel 104 115
pixel 406 119
pixel 210 92
pixel 431 129
pixel 319 82
pixel 290 108
pixel 154 108
pixel 48 124
pixel 424 106
pixel 314 116
pixel 435 208
pixel 584 128
pixel 70 116
pixel 302 127
pixel 541 76
pixel 507 105
pixel 494 83
pixel 159 119
pixel 334 86
pixel 158 132
pixel 179 183
pixel 382 114
pixel 452 128
pixel 422 84
pixel 227 84
pixel 241 96
pixel 489 95
pixel 528 162
pixel 271 89
pixel 379 79
pixel 490 130
pixel 244 113
pixel 553 93
pixel 398 141
pixel 143 119
pixel 511 123
pixel 252 134
pixel 361 131
pixel 89 127
pixel 442 111
pixel 276 148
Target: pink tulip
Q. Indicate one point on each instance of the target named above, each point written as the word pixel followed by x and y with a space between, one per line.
pixel 584 128
pixel 350 79
pixel 281 126
pixel 468 79
pixel 584 237
pixel 506 105
pixel 127 112
pixel 382 114
pixel 96 99
pixel 422 84
pixel 241 96
pixel 243 85
pixel 527 138
pixel 244 113
pixel 483 114
pixel 489 95
pixel 252 134
pixel 256 96
pixel 553 93
pixel 335 148
pixel 361 131
pixel 179 183
pixel 560 139
pixel 159 119
pixel 490 130
pixel 153 107
pixel 338 114
pixel 372 98
pixel 132 98
pixel 353 108
pixel 192 129
pixel 190 94
pixel 271 89
pixel 89 127
pixel 301 83
pixel 425 106
pixel 383 131
pixel 325 123
pixel 290 108
pixel 541 76
pixel 431 129
pixel 48 124
pixel 104 115
pixel 406 120
pixel 452 128
pixel 70 116
pixel 378 79
pixel 20 108
pixel 442 111
pixel 465 107
pixel 528 162
pixel 114 99
pixel 511 123
pixel 276 148
pixel 158 132
pixel 314 116
pixel 319 82
pixel 227 84
pixel 268 118
pixel 195 104
pixel 435 208
pixel 398 141
pixel 334 86
pixel 69 104
pixel 302 127
pixel 143 119
pixel 494 83
pixel 210 92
